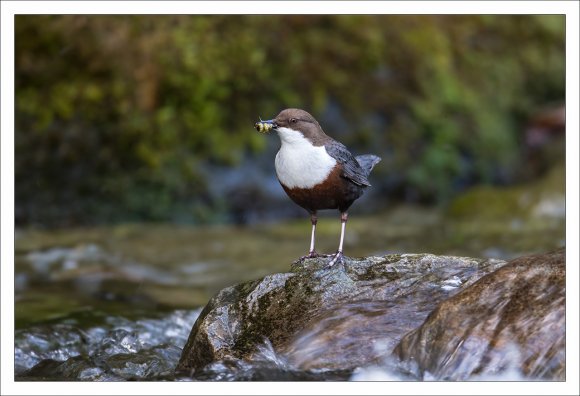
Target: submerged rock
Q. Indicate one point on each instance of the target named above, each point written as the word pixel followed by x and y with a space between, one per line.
pixel 513 318
pixel 315 318
pixel 120 350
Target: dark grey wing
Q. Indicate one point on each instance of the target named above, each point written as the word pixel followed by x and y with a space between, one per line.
pixel 350 167
pixel 367 162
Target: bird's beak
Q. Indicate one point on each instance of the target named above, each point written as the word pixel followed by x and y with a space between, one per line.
pixel 265 126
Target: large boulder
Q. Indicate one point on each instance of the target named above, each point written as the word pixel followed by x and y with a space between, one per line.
pixel 337 318
pixel 512 319
pixel 443 317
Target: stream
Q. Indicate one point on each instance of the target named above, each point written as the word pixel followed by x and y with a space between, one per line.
pixel 117 303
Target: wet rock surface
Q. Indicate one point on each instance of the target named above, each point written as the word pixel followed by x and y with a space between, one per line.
pixel 513 318
pixel 120 350
pixel 319 319
pixel 443 317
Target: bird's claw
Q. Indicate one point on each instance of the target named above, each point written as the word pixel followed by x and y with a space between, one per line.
pixel 336 259
pixel 311 254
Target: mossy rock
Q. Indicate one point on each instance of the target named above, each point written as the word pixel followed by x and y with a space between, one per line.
pixel 338 318
pixel 545 197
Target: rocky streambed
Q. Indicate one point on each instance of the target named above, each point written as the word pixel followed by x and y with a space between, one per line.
pixel 413 316
pixel 120 303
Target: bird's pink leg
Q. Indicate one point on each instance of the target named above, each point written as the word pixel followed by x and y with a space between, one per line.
pixel 312 252
pixel 338 256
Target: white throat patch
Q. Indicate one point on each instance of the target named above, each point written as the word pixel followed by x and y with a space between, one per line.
pixel 299 164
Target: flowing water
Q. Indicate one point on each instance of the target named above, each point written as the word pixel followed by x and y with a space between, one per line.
pixel 118 303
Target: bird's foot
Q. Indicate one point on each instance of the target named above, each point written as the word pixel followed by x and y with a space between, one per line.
pixel 311 254
pixel 336 259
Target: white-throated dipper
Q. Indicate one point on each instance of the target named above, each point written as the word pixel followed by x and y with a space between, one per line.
pixel 316 171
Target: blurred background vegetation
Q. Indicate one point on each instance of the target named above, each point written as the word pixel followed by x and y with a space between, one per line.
pixel 143 118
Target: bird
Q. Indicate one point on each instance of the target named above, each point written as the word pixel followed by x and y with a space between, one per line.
pixel 316 171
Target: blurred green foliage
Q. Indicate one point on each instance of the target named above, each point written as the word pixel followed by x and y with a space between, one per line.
pixel 115 115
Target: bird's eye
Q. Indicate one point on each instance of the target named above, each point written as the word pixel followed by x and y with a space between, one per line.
pixel 293 120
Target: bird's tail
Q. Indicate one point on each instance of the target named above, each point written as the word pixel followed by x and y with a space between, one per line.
pixel 368 162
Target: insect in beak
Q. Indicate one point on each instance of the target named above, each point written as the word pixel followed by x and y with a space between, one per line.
pixel 264 126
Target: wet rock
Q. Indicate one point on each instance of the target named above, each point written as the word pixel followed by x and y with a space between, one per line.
pixel 512 319
pixel 316 318
pixel 121 349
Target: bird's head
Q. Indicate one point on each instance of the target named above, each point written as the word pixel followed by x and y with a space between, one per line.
pixel 292 121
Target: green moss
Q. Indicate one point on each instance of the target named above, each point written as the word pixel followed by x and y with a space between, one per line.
pixel 489 202
pixel 494 203
pixel 276 313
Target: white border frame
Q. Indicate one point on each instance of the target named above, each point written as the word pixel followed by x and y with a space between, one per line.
pixel 10 8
